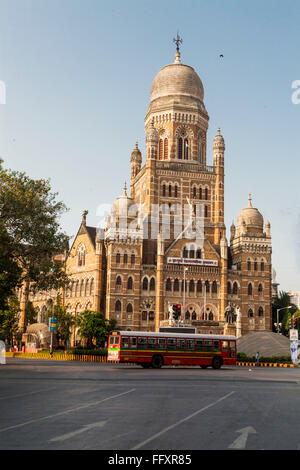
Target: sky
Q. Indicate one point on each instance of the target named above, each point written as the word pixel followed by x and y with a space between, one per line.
pixel 77 77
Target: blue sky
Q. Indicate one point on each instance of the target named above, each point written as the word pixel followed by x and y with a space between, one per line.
pixel 78 77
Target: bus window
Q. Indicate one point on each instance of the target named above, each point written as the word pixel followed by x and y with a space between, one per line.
pixel 208 345
pixel 125 342
pixel 133 342
pixel 180 344
pixel 225 345
pixel 142 342
pixel 216 346
pixel 199 345
pixel 232 348
pixel 112 340
pixel 151 343
pixel 161 343
pixel 172 344
pixel 117 339
pixel 190 344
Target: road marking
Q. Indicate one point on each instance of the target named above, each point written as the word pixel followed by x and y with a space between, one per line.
pixel 163 431
pixel 9 397
pixel 240 442
pixel 65 412
pixel 87 427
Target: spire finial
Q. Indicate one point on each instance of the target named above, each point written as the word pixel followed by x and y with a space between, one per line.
pixel 84 214
pixel 125 189
pixel 250 200
pixel 178 40
pixel 136 144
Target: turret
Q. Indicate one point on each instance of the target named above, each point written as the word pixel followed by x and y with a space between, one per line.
pixel 219 149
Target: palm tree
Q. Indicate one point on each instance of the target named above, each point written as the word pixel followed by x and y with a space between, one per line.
pixel 280 302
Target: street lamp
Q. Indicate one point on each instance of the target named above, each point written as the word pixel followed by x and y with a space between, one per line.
pixel 184 287
pixel 278 310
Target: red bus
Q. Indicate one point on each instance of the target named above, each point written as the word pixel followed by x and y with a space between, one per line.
pixel 158 349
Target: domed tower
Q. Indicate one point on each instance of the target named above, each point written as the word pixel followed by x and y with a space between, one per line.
pixel 251 269
pixel 178 113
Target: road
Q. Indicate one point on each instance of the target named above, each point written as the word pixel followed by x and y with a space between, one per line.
pixel 59 405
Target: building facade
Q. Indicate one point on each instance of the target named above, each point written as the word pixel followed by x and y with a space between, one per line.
pixel 165 239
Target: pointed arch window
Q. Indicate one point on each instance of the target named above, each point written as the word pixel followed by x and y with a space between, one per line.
pixel 132 258
pixel 250 290
pixel 198 253
pixel 92 286
pixel 260 312
pixel 168 285
pixel 262 266
pixel 200 193
pixel 199 287
pixel 152 283
pixel 235 288
pixel 214 287
pixel 260 289
pixel 81 255
pixel 125 258
pixel 186 149
pixel 207 287
pixel 119 281
pixel 118 306
pixel 180 143
pixel 206 194
pixel 164 190
pixel 250 313
pixel 228 288
pixel 129 308
pixel 129 283
pixel 161 147
pixel 145 283
pixel 176 191
pixel 192 286
pixel 170 190
pixel 118 258
pixel 166 149
pixel 176 285
pixel 194 315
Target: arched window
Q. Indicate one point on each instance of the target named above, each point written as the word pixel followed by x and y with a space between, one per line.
pixel 152 283
pixel 130 283
pixel 235 288
pixel 180 148
pixel 186 149
pixel 166 149
pixel 87 287
pixel 262 266
pixel 183 286
pixel 81 288
pixel 92 287
pixel 194 192
pixel 199 287
pixel 250 289
pixel 211 316
pixel 206 194
pixel 249 265
pixel 255 265
pixel 129 308
pixel 198 253
pixel 81 255
pixel 118 306
pixel 118 258
pixel 250 313
pixel 164 190
pixel 119 281
pixel 260 289
pixel 194 315
pixel 192 286
pixel 214 287
pixel 168 285
pixel 176 285
pixel 145 283
pixel 176 191
pixel 200 193
pixel 160 149
pixel 260 312
pixel 132 258
pixel 187 315
pixel 192 251
pixel 228 288
pixel 185 252
pixel 170 190
pixel 207 286
pixel 125 258
pixel 205 211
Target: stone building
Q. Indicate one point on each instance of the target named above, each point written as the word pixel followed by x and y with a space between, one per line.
pixel 165 238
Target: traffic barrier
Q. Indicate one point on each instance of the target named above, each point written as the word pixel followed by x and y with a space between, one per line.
pixel 265 364
pixel 63 357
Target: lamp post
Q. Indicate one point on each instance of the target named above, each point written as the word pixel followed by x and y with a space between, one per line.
pixel 184 288
pixel 278 310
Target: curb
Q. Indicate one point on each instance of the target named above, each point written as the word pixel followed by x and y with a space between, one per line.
pixel 266 364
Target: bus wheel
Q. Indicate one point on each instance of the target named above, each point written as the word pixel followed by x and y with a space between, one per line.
pixel 146 365
pixel 203 366
pixel 157 362
pixel 217 362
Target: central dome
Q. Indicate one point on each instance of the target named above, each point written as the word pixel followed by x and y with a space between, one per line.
pixel 177 79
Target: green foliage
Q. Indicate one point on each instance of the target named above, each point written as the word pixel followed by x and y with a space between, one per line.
pixel 280 302
pixel 10 272
pixel 9 321
pixel 65 321
pixel 94 327
pixel 88 352
pixel 242 357
pixel 31 314
pixel 29 212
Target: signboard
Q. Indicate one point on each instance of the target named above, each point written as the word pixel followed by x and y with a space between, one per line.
pixel 192 261
pixel 293 334
pixel 52 324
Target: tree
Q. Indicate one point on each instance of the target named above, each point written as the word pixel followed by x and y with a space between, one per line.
pixel 31 314
pixel 10 272
pixel 9 319
pixel 29 214
pixel 94 327
pixel 279 303
pixel 65 321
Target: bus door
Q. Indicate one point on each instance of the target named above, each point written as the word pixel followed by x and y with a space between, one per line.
pixel 113 348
